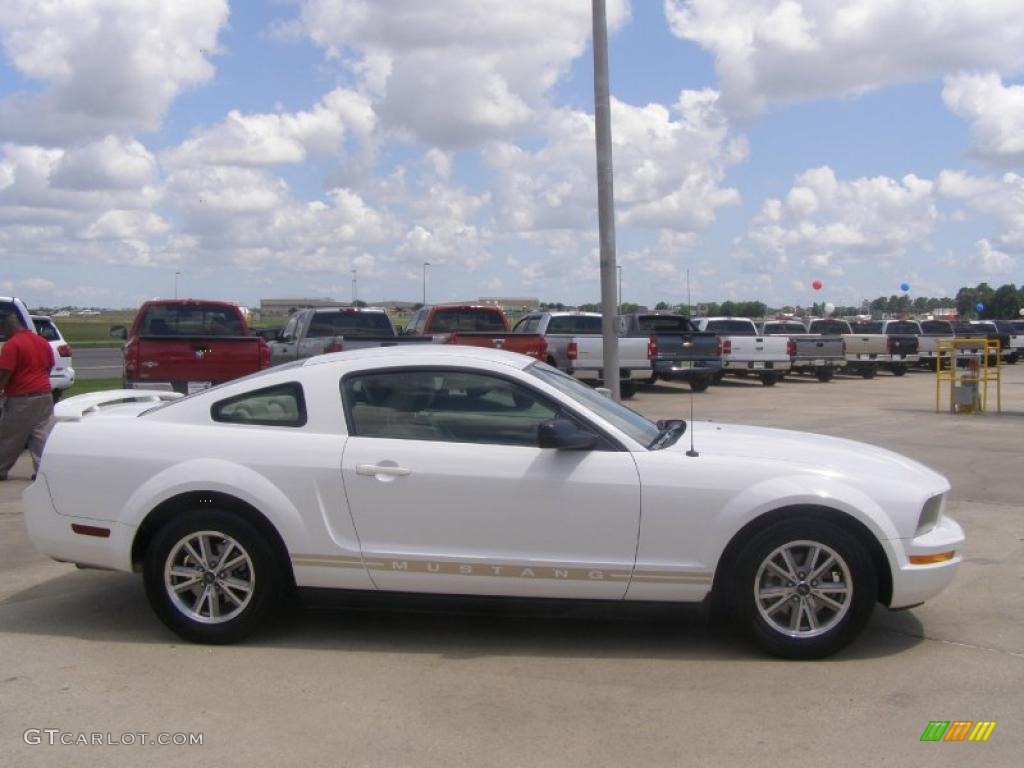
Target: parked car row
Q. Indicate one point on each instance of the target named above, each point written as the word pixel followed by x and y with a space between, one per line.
pixel 188 345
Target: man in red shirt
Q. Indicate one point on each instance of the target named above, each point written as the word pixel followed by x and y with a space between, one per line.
pixel 25 363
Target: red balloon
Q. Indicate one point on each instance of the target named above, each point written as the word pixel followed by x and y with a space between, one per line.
pixel 816 285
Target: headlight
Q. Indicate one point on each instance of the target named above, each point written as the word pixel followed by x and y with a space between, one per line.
pixel 930 513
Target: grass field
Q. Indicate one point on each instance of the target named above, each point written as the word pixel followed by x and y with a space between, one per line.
pixel 84 386
pixel 92 331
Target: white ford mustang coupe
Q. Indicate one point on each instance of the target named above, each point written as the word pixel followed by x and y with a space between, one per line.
pixel 467 471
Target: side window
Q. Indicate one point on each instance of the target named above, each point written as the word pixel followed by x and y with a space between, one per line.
pixel 528 324
pixel 278 406
pixel 47 331
pixel 415 326
pixel 446 406
pixel 288 334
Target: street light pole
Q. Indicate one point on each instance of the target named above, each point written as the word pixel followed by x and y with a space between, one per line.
pixel 425 265
pixel 176 284
pixel 619 267
pixel 605 198
pixel 354 284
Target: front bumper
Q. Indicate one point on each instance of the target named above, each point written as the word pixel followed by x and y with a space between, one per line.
pixel 913 584
pixel 51 533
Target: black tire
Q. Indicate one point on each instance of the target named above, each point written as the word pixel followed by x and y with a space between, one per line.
pixel 718 377
pixel 899 370
pixel 824 375
pixel 56 394
pixel 1012 358
pixel 700 384
pixel 770 379
pixel 627 389
pixel 262 570
pixel 839 628
pixel 650 381
pixel 868 373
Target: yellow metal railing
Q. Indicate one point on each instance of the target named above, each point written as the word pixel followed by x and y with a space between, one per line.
pixel 967 365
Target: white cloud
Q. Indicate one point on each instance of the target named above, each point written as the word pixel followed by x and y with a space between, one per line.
pixel 108 66
pixel 457 72
pixel 283 137
pixel 669 165
pixel 992 261
pixel 1002 198
pixel 995 111
pixel 771 51
pixel 826 223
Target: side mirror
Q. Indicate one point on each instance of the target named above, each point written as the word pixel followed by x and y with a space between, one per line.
pixel 564 435
pixel 119 332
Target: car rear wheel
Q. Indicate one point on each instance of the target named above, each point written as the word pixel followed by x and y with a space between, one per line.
pixel 899 370
pixel 868 373
pixel 806 588
pixel 700 384
pixel 824 375
pixel 212 577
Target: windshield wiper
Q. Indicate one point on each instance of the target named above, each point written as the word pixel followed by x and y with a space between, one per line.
pixel 669 431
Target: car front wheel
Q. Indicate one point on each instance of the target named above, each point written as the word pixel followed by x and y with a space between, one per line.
pixel 806 589
pixel 211 577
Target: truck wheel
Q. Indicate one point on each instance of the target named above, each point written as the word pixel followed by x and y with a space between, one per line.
pixel 805 588
pixel 719 377
pixel 899 370
pixel 212 577
pixel 770 379
pixel 868 373
pixel 700 384
pixel 824 375
pixel 1012 358
pixel 650 381
pixel 56 393
pixel 627 389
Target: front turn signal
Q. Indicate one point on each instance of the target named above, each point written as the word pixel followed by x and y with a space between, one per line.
pixel 938 557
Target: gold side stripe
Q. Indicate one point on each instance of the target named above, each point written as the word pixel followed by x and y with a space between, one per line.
pixel 455 568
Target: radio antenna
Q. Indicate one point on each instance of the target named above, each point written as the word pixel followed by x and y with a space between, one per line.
pixel 689 307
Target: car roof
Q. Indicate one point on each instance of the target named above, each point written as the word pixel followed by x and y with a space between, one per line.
pixel 347 308
pixel 426 354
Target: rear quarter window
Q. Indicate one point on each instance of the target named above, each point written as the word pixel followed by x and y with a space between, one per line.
pixel 282 405
pixel 575 324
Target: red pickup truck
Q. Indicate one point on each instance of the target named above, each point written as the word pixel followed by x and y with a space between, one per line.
pixel 477 326
pixel 187 345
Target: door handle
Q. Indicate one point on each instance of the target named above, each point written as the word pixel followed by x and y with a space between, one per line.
pixel 372 470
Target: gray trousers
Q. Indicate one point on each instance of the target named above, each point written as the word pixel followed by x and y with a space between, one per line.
pixel 25 422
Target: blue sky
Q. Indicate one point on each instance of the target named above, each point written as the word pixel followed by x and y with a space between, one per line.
pixel 267 149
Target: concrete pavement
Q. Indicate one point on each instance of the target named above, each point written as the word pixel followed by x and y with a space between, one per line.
pixel 81 651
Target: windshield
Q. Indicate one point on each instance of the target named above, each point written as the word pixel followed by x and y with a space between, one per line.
pixel 469 319
pixel 732 327
pixel 347 322
pixel 937 327
pixel 622 418
pixel 784 328
pixel 904 326
pixel 829 327
pixel 866 327
pixel 663 323
pixel 575 324
pixel 190 319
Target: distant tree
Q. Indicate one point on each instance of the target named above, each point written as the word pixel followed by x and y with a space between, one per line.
pixel 359 303
pixel 628 307
pixel 417 307
pixel 592 307
pixel 1005 302
pixel 662 305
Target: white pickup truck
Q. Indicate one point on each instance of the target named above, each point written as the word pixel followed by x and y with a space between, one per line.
pixel 932 332
pixel 745 351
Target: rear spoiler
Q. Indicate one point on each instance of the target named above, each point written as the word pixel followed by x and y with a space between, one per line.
pixel 79 406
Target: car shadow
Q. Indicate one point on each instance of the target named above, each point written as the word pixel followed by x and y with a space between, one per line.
pixel 105 607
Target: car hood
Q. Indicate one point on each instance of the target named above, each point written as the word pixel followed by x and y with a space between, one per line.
pixel 809 451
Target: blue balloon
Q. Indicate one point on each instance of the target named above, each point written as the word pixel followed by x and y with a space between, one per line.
pixel 980 307
pixel 904 287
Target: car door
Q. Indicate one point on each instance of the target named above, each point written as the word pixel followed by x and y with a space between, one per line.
pixel 286 346
pixel 450 493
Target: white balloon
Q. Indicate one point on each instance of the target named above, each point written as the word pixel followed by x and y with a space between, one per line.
pixel 829 307
pixel 1021 313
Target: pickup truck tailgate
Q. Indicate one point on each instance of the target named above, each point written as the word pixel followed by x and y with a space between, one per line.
pixel 531 344
pixel 192 363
